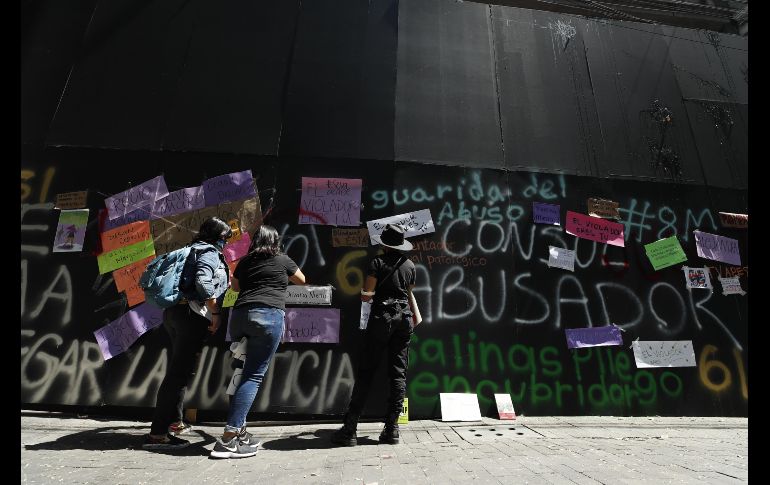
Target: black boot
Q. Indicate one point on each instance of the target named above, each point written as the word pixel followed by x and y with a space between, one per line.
pixel 389 434
pixel 346 435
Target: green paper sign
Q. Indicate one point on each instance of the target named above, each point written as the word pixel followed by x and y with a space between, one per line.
pixel 664 253
pixel 124 256
pixel 230 297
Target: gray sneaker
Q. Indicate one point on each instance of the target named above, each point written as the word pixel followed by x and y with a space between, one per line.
pixel 248 439
pixel 232 449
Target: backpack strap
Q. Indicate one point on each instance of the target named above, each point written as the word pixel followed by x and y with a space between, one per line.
pixel 401 261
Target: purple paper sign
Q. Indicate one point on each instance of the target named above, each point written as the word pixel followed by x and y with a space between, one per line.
pixel 318 325
pixel 543 213
pixel 136 216
pixel 229 187
pixel 718 248
pixel 179 201
pixel 236 250
pixel 117 336
pixel 143 195
pixel 593 337
pixel 330 201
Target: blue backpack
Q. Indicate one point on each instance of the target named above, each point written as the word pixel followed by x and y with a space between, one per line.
pixel 160 280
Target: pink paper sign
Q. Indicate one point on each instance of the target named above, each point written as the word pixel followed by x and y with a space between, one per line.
pixel 237 249
pixel 595 229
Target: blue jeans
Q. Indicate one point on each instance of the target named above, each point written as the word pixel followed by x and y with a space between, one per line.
pixel 263 328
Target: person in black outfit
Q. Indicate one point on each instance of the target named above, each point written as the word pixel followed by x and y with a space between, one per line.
pixel 389 282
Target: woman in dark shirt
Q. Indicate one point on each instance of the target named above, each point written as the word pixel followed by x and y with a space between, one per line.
pixel 260 279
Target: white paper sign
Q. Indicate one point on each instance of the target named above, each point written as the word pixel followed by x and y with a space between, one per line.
pixel 505 406
pixel 731 286
pixel 561 258
pixel 366 309
pixel 456 406
pixel 308 295
pixel 697 277
pixel 415 223
pixel 663 353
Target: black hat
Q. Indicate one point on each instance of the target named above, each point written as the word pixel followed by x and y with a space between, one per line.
pixel 393 237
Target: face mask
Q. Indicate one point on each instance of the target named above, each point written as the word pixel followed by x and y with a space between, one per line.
pixel 220 244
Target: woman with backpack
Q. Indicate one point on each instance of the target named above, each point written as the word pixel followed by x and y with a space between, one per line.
pixel 204 280
pixel 260 279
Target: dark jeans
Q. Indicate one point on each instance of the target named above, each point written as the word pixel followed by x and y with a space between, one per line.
pixel 188 332
pixel 389 330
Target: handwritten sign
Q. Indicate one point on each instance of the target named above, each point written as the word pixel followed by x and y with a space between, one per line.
pixel 718 248
pixel 696 277
pixel 124 256
pixel 415 223
pixel 366 310
pixel 603 208
pixel 330 201
pixel 456 406
pixel 665 252
pixel 663 353
pixel 578 338
pixel 235 250
pixel 117 336
pixel 229 187
pixel 505 406
pixel 595 229
pixel 543 213
pixel 308 295
pixel 135 198
pixel 178 201
pixel 134 295
pixel 230 297
pixel 317 325
pixel 731 286
pixel 71 231
pixel 72 200
pixel 350 238
pixel 125 235
pixel 739 221
pixel 175 231
pixel 128 276
pixel 561 258
pixel 106 224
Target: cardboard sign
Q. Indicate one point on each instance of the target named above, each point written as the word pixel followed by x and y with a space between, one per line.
pixel 738 221
pixel 607 209
pixel 350 238
pixel 72 200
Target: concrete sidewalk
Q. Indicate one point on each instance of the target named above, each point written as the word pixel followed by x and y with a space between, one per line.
pixel 60 448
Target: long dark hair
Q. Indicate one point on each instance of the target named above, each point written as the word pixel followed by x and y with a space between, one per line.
pixel 266 242
pixel 212 230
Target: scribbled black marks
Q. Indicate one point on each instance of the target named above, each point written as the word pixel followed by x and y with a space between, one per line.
pixel 745 72
pixel 723 91
pixel 722 118
pixel 563 30
pixel 714 39
pixel 664 158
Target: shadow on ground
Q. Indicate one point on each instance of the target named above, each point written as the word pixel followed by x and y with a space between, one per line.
pixel 315 440
pixel 112 438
